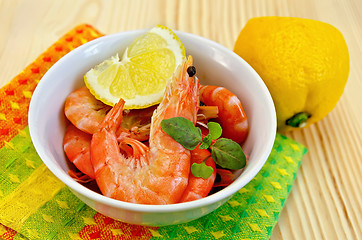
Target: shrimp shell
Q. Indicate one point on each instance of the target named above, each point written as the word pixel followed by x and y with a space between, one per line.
pixel 231 116
pixel 76 144
pixel 84 110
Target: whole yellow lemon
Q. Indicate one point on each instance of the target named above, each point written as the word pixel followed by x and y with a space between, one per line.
pixel 303 62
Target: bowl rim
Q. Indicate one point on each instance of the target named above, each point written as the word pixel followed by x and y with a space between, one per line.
pixel 136 207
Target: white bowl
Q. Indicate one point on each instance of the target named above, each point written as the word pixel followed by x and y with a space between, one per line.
pixel 215 64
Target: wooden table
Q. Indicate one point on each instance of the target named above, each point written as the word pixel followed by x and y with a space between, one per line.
pixel 326 199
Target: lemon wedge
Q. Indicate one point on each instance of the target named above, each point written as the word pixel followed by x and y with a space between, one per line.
pixel 141 75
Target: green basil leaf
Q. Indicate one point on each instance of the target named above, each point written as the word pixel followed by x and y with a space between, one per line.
pixel 206 142
pixel 214 129
pixel 228 154
pixel 182 131
pixel 201 170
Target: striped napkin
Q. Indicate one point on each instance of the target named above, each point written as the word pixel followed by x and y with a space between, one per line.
pixel 34 204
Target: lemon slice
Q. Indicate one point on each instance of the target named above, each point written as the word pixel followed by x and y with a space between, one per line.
pixel 141 75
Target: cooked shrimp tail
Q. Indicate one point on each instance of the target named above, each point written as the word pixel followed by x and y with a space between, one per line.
pixel 231 115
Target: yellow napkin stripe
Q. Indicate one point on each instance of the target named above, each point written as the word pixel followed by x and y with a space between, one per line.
pixel 19 205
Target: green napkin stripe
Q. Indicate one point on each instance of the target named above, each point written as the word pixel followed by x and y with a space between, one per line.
pixel 18 160
pixel 61 218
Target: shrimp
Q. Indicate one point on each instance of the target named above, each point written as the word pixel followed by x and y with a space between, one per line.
pixel 157 174
pixel 76 144
pixel 231 115
pixel 84 111
pixel 197 187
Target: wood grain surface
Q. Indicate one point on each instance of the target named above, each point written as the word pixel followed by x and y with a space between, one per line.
pixel 326 199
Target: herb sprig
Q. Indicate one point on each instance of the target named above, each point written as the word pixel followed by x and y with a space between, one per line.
pixel 225 152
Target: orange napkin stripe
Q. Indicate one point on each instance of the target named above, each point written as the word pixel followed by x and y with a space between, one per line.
pixel 15 96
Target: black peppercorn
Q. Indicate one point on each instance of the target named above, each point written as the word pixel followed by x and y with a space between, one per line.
pixel 191 71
